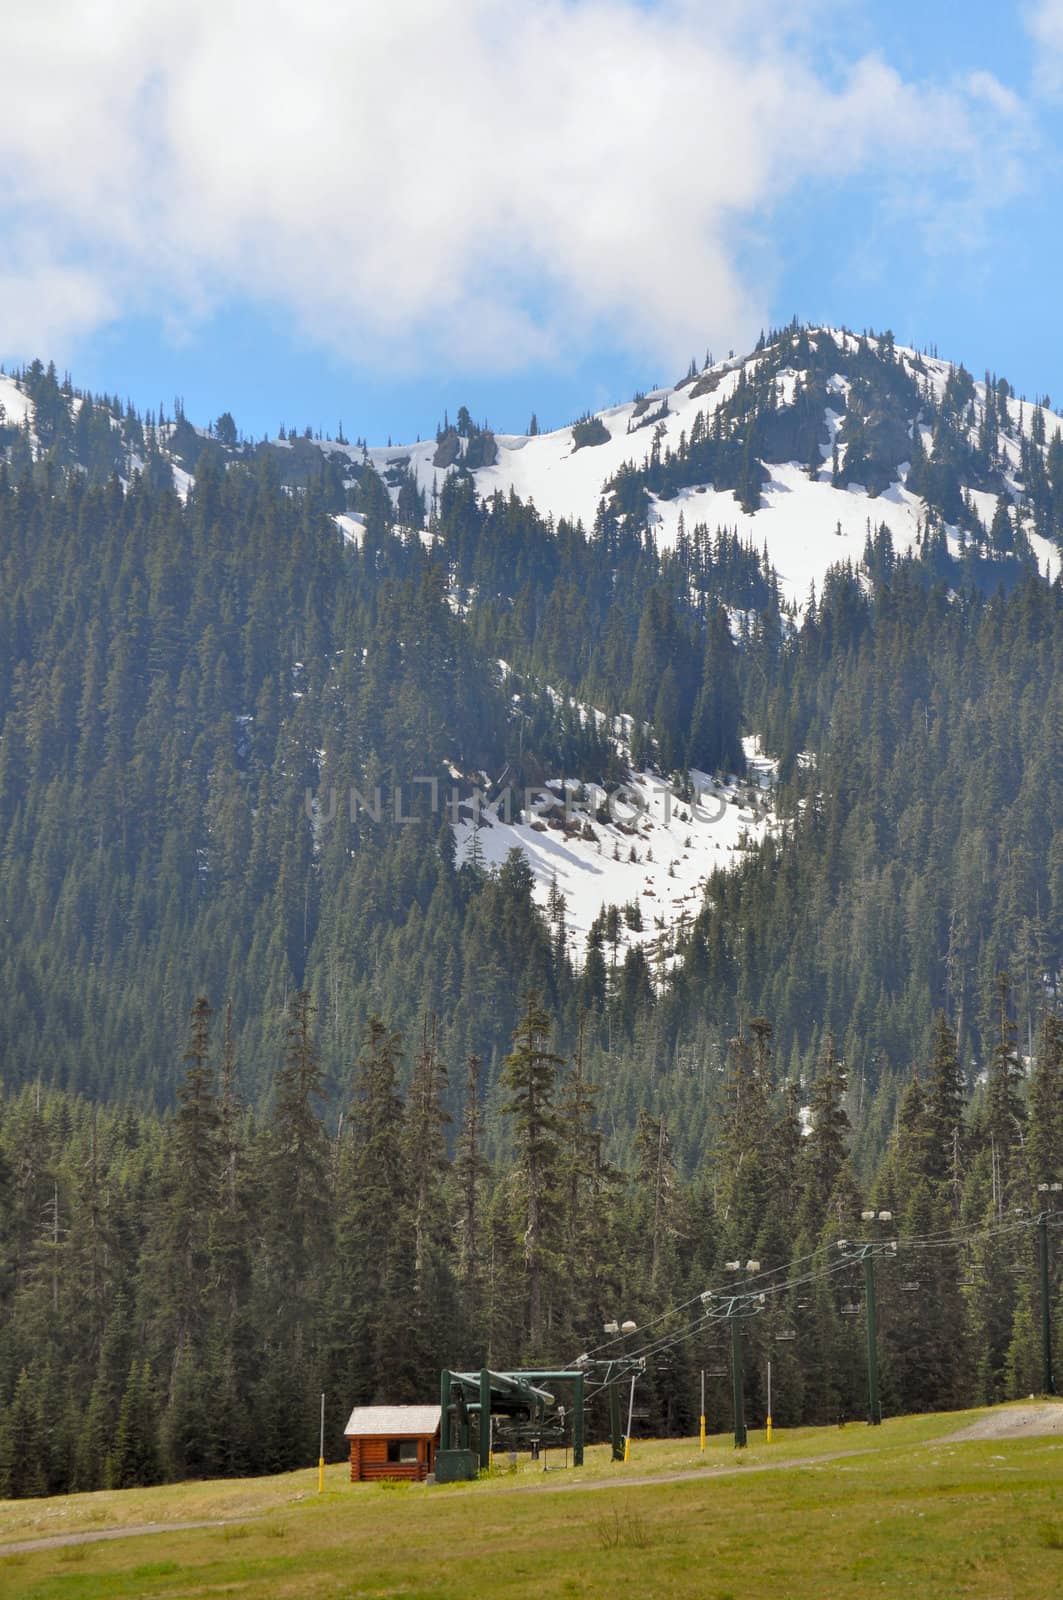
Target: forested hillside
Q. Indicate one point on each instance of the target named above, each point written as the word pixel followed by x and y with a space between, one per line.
pixel 248 694
pixel 181 668
pixel 177 1293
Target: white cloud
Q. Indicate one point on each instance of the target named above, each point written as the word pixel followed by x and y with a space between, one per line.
pixel 1044 23
pixel 488 182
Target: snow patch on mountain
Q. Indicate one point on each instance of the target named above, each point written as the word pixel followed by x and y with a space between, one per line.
pixel 17 405
pixel 642 847
pixel 351 527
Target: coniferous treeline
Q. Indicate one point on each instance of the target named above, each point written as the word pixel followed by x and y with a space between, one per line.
pixel 176 1293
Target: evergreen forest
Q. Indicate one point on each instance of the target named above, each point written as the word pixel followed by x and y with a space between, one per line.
pixel 299 1097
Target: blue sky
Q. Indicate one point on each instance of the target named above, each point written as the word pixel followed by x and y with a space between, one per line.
pixel 395 209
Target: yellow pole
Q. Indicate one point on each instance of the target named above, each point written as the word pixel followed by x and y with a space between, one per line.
pixel 627 1445
pixel 321 1451
pixel 703 1433
pixel 769 1430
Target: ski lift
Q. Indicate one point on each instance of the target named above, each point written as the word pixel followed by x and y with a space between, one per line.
pixel 911 1286
pixel 786 1335
pixel 850 1309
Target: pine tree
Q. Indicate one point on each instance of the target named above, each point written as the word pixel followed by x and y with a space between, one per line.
pixel 1045 1144
pixel 375 1268
pixel 655 1174
pixel 945 1101
pixel 746 1139
pixel 22 1442
pixel 470 1171
pixel 195 1192
pixel 134 1460
pixel 715 742
pixel 584 1183
pixel 426 1122
pixel 825 1147
pixel 294 1169
pixel 1005 1110
pixel 529 1074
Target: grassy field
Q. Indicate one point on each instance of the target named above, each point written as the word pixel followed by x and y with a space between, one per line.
pixel 904 1510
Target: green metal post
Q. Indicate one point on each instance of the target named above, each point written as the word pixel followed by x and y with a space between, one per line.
pixel 444 1410
pixel 577 1422
pixel 1047 1378
pixel 738 1380
pixel 874 1404
pixel 485 1419
pixel 614 1423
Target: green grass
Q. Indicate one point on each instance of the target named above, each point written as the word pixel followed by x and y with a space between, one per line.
pixel 906 1513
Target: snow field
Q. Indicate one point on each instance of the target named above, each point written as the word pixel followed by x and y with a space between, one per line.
pixel 640 846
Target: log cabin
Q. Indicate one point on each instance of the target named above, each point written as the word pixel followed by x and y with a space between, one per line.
pixel 392 1441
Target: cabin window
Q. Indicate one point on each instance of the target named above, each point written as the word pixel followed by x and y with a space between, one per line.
pixel 402 1450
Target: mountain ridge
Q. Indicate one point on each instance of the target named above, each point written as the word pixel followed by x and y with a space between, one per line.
pixel 808 515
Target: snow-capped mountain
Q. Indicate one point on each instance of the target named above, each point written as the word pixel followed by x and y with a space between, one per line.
pixel 805 447
pixel 807 520
pixel 819 448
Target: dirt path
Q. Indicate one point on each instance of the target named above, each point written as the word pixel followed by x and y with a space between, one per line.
pixel 1010 1422
pixel 1015 1422
pixel 692 1473
pixel 95 1535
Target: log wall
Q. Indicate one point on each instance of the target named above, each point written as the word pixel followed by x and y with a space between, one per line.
pixel 369 1458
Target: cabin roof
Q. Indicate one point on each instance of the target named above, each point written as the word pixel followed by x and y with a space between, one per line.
pixel 392 1421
